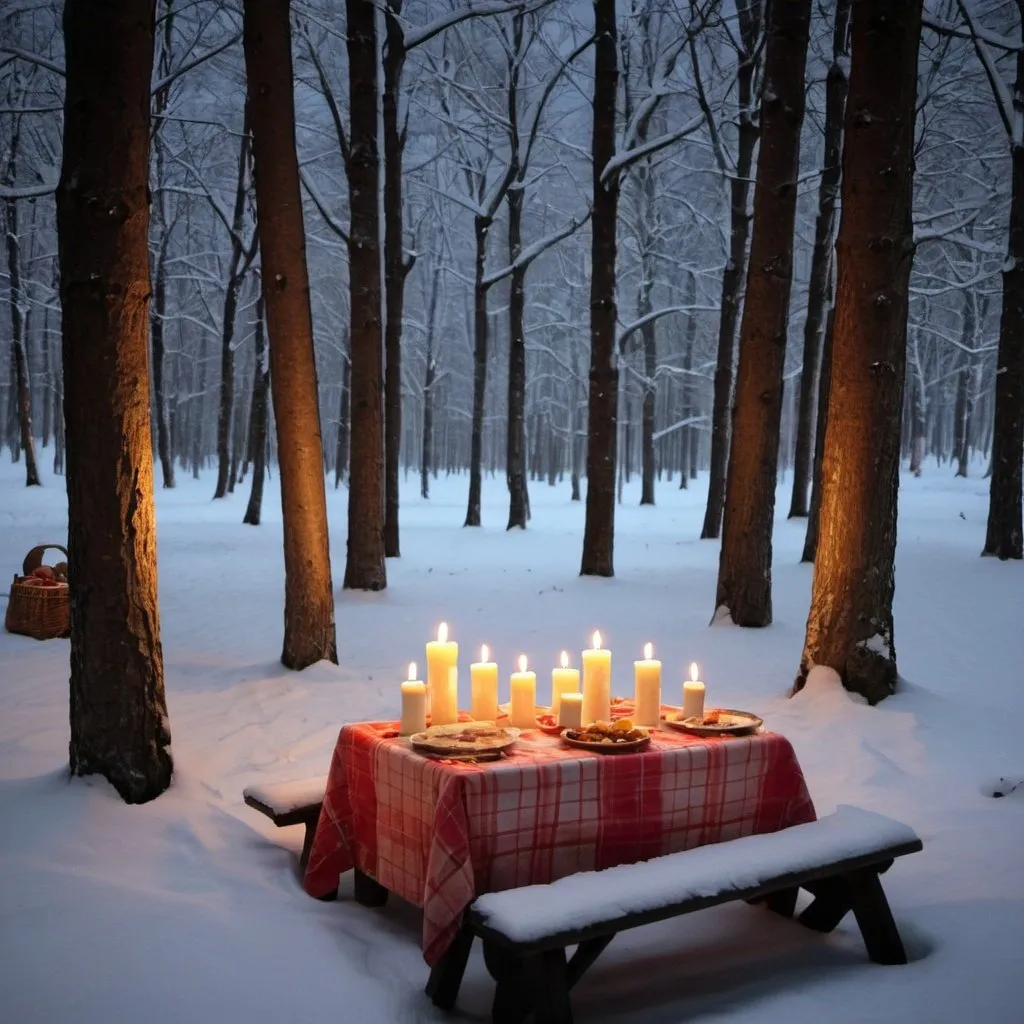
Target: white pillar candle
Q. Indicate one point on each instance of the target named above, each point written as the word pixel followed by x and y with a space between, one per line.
pixel 483 683
pixel 570 710
pixel 414 704
pixel 563 680
pixel 597 683
pixel 647 689
pixel 523 689
pixel 443 678
pixel 693 695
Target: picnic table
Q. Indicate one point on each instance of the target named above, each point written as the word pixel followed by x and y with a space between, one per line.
pixel 440 833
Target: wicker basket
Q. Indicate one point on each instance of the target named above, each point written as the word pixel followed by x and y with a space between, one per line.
pixel 39 612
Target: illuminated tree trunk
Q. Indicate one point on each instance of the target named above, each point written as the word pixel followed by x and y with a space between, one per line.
pixel 850 624
pixel 602 415
pixel 365 566
pixel 309 634
pixel 119 724
pixel 745 563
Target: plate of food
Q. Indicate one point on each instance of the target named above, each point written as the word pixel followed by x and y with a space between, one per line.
pixel 717 722
pixel 620 737
pixel 465 739
pixel 547 722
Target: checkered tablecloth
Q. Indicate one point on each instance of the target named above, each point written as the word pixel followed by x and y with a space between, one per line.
pixel 439 834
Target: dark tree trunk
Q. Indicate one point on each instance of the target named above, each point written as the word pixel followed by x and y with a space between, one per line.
pixel 962 410
pixel 18 326
pixel 918 422
pixel 690 438
pixel 518 500
pixel 163 439
pixel 745 565
pixel 58 433
pixel 258 421
pixel 119 723
pixel 1003 536
pixel 395 270
pixel 735 267
pixel 365 567
pixel 237 266
pixel 427 451
pixel 341 455
pixel 575 420
pixel 824 391
pixel 476 444
pixel 817 297
pixel 309 634
pixel 603 397
pixel 47 379
pixel 850 624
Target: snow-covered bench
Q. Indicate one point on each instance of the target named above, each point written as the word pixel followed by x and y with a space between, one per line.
pixel 290 803
pixel 526 931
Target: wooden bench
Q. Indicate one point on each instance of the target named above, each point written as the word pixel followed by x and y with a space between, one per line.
pixel 526 931
pixel 290 803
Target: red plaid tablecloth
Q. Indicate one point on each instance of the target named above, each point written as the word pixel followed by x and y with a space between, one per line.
pixel 439 834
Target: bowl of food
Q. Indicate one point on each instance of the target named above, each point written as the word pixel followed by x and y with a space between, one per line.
pixel 620 737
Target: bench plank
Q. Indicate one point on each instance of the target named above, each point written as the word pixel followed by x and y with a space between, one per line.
pixel 290 803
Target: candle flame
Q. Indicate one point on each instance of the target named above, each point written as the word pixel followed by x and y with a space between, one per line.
pixel 565 659
pixel 442 633
pixel 522 662
pixel 648 651
pixel 597 640
pixel 412 669
pixel 484 652
pixel 694 675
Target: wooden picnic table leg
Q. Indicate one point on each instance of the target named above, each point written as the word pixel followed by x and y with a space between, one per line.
pixel 368 891
pixel 586 953
pixel 831 904
pixel 871 909
pixel 446 975
pixel 512 1001
pixel 545 974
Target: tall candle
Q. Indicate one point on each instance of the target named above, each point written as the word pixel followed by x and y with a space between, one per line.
pixel 523 688
pixel 414 704
pixel 597 683
pixel 647 689
pixel 443 678
pixel 570 710
pixel 563 680
pixel 483 683
pixel 693 695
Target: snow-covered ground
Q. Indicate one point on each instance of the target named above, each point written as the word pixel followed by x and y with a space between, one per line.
pixel 188 909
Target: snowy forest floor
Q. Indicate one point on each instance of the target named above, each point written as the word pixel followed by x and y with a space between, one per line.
pixel 189 908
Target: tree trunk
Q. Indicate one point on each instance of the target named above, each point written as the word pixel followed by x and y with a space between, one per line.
pixel 427 451
pixel 258 421
pixel 1003 536
pixel 47 379
pixel 341 455
pixel 824 391
pixel 518 502
pixel 918 421
pixel 365 567
pixel 394 270
pixel 817 296
pixel 962 410
pixel 309 634
pixel 850 624
pixel 603 396
pixel 476 444
pixel 745 564
pixel 735 269
pixel 236 274
pixel 119 723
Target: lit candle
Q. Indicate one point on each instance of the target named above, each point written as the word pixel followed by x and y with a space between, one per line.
pixel 597 683
pixel 693 695
pixel 570 710
pixel 523 688
pixel 563 680
pixel 647 689
pixel 414 704
pixel 443 678
pixel 483 682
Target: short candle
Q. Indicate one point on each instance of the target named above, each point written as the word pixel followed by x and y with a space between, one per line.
pixel 647 689
pixel 570 711
pixel 523 689
pixel 563 680
pixel 483 682
pixel 443 678
pixel 414 704
pixel 693 695
pixel 597 683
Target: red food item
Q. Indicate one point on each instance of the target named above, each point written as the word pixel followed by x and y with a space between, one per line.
pixel 44 572
pixel 547 720
pixel 30 581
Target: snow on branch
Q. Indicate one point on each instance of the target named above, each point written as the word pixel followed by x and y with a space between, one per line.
pixel 321 204
pixel 622 160
pixel 34 58
pixel 531 252
pixel 27 191
pixel 690 421
pixel 162 83
pixel 423 34
pixel 657 314
pixel 1012 117
pixel 948 28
